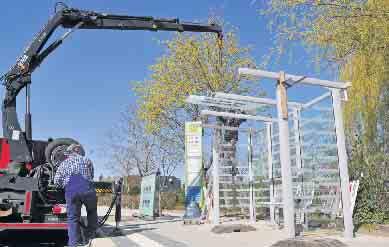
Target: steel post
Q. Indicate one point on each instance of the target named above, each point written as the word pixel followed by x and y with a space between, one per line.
pixel 297 139
pixel 286 171
pixel 343 168
pixel 270 165
pixel 299 164
pixel 215 179
pixel 251 177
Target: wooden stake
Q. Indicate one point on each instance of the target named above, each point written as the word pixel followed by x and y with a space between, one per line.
pixel 282 91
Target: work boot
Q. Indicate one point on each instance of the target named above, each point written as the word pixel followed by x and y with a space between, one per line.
pixel 86 243
pixel 99 233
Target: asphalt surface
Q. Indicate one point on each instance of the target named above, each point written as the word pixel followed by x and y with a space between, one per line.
pixel 171 232
pixel 138 233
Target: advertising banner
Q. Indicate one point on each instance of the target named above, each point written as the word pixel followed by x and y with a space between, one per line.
pixel 193 161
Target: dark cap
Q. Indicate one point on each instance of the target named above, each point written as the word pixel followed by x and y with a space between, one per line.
pixel 75 148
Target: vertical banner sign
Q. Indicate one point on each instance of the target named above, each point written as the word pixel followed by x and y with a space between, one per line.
pixel 149 196
pixel 193 161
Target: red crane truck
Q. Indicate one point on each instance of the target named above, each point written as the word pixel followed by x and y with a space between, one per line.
pixel 28 199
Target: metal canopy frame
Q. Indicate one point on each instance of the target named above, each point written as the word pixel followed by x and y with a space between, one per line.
pixel 238 115
pixel 257 100
pixel 317 100
pixel 224 127
pixel 284 81
pixel 224 103
pixel 293 78
pixel 215 172
pixel 241 102
pixel 232 102
pixel 336 89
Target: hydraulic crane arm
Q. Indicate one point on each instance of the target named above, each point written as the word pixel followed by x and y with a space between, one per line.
pixel 32 57
pixel 19 75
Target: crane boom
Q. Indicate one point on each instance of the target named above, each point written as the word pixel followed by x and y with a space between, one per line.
pixel 19 75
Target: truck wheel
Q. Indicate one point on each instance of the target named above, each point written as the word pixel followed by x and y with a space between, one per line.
pixel 54 152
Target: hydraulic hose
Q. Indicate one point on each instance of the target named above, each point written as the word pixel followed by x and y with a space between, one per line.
pixel 107 214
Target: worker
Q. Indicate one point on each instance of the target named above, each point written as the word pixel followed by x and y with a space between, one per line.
pixel 75 175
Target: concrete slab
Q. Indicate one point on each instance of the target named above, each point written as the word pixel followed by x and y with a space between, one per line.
pixel 304 242
pixel 106 242
pixel 169 231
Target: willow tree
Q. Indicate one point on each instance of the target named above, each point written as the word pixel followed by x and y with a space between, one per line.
pixel 353 35
pixel 192 64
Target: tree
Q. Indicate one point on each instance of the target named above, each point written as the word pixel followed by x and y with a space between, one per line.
pixel 352 35
pixel 130 149
pixel 200 65
pixel 191 65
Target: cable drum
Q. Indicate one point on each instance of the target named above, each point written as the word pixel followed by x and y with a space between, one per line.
pixel 57 155
pixel 55 150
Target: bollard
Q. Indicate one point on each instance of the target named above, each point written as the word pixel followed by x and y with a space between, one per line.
pixel 118 204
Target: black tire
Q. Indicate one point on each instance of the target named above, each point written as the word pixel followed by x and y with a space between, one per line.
pixel 54 152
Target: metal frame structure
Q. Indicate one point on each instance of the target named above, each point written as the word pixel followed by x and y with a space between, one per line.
pixel 247 104
pixel 283 81
pixel 215 169
pixel 238 102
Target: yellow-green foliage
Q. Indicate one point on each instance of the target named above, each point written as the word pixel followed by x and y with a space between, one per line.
pixel 353 34
pixel 367 72
pixel 191 65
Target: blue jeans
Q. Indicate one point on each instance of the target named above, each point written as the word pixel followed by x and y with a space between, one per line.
pixel 78 192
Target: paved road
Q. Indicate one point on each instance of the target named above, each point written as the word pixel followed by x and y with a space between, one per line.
pixel 133 234
pixel 175 234
pixel 170 232
pixel 137 237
